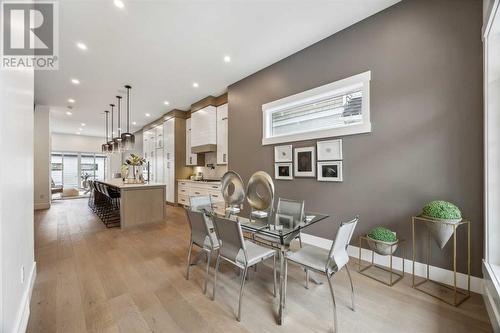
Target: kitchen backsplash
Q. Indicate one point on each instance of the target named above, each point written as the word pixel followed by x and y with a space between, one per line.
pixel 209 173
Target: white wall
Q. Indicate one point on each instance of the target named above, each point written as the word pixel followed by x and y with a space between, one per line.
pixel 76 143
pixel 42 157
pixel 16 199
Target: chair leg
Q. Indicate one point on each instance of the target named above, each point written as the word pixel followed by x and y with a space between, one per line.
pixel 189 259
pixel 241 293
pixel 209 257
pixel 334 306
pixel 300 241
pixel 285 282
pixel 307 279
pixel 352 288
pixel 274 275
pixel 215 276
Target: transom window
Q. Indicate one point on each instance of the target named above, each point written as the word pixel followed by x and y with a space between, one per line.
pixel 338 108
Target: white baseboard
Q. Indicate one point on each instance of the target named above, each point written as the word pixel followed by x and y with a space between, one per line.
pixel 435 273
pixel 42 205
pixel 24 310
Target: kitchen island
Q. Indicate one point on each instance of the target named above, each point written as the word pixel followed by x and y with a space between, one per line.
pixel 139 203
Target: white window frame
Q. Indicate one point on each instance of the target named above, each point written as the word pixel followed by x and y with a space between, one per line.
pixel 326 90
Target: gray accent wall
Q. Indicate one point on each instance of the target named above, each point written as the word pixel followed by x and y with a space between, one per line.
pixel 426 143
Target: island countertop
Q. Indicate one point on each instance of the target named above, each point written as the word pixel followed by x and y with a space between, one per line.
pixel 117 182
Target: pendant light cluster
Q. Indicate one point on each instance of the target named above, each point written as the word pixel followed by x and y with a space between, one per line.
pixel 122 141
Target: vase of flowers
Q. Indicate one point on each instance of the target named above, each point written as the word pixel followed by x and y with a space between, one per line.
pixel 135 161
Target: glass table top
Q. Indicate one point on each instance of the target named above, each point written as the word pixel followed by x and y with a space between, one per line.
pixel 277 225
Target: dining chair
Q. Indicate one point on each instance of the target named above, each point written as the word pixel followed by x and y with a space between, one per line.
pixel 327 262
pixel 287 212
pixel 202 237
pixel 241 253
pixel 199 202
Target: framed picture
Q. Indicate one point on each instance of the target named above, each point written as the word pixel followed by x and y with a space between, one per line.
pixel 305 161
pixel 283 171
pixel 283 153
pixel 329 150
pixel 330 171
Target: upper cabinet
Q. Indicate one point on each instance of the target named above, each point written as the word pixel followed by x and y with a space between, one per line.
pixel 204 130
pixel 191 159
pixel 159 136
pixel 222 133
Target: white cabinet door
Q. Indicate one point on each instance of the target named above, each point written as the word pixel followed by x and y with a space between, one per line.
pixel 222 129
pixel 191 159
pixel 159 136
pixel 169 158
pixel 204 127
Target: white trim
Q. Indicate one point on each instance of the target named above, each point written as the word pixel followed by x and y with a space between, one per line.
pixel 361 80
pixel 23 315
pixel 43 205
pixel 436 273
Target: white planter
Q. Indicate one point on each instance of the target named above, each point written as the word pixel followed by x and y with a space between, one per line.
pixel 381 247
pixel 441 230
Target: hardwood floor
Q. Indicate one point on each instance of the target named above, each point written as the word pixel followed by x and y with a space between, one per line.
pixel 93 279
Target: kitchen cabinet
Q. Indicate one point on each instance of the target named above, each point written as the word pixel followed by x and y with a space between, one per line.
pixel 159 136
pixel 191 159
pixel 169 158
pixel 187 188
pixel 204 130
pixel 222 133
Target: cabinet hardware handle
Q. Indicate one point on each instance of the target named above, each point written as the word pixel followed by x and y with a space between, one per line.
pixel 196 192
pixel 225 118
pixel 224 157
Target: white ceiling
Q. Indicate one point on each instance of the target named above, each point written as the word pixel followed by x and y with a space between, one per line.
pixel 162 47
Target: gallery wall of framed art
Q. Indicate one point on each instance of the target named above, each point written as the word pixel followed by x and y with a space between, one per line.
pixel 323 161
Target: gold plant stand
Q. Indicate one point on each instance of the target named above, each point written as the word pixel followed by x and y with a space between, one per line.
pixel 456 291
pixel 401 244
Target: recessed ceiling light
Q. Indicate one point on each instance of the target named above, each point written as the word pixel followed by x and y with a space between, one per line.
pixel 83 124
pixel 147 115
pixel 71 100
pixel 134 123
pixel 227 58
pixel 75 81
pixel 78 133
pixel 166 102
pixel 195 85
pixel 80 129
pixel 69 113
pixel 81 46
pixel 119 3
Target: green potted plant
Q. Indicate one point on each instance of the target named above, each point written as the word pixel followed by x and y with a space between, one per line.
pixel 445 214
pixel 382 240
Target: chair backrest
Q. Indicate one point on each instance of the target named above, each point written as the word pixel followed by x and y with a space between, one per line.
pixel 199 228
pixel 338 252
pixel 231 238
pixel 290 209
pixel 200 203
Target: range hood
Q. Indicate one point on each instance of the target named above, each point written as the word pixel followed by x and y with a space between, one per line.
pixel 208 148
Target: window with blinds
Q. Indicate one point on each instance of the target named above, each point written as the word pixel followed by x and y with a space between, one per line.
pixel 338 108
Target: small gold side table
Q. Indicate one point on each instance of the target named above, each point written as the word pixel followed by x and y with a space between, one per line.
pixel 456 291
pixel 401 244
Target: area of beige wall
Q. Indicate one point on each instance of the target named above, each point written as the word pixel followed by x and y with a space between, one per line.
pixel 76 143
pixel 42 152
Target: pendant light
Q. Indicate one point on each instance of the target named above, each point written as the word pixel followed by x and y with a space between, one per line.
pixel 117 145
pixel 106 147
pixel 111 142
pixel 128 139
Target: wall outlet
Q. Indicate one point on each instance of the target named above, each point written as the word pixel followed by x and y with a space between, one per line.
pixel 22 274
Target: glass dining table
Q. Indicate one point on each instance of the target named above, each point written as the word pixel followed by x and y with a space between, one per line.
pixel 279 230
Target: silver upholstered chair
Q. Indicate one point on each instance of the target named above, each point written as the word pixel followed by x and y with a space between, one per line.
pixel 327 262
pixel 239 252
pixel 202 237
